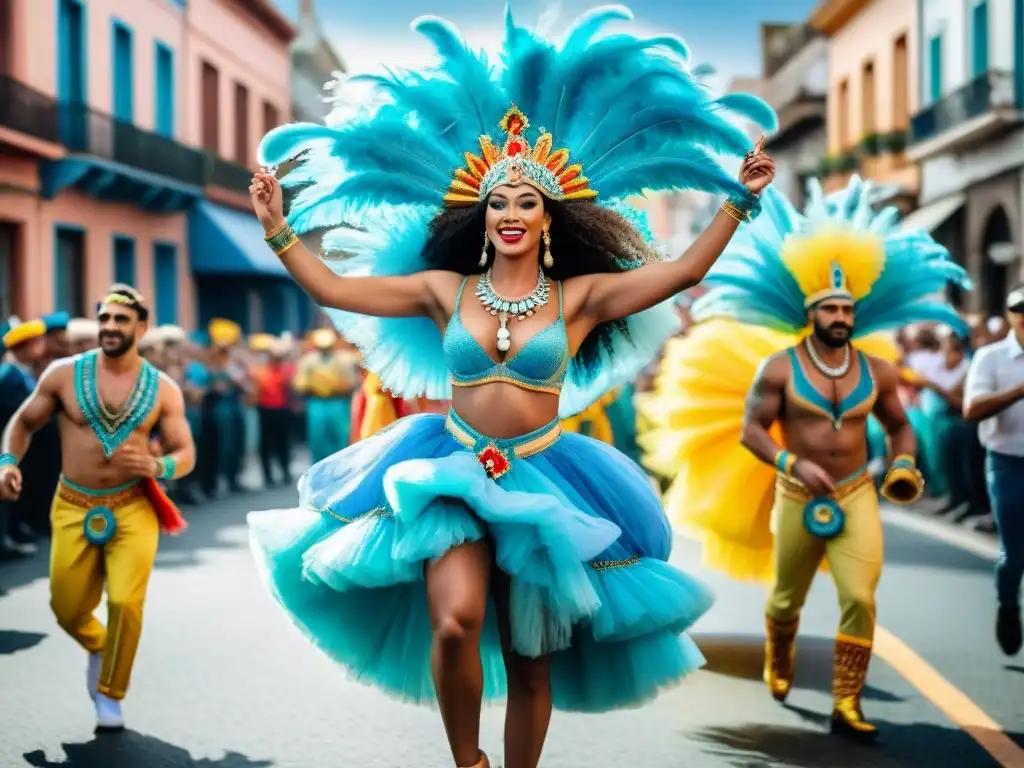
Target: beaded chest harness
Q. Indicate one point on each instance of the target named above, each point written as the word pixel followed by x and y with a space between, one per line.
pixel 112 429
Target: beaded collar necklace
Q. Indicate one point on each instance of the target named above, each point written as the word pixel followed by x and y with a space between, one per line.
pixel 832 372
pixel 503 307
pixel 112 429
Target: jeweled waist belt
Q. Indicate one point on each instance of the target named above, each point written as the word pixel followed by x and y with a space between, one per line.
pixel 88 498
pixel 525 445
pixel 794 489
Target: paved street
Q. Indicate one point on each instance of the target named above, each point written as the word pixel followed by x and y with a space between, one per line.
pixel 224 681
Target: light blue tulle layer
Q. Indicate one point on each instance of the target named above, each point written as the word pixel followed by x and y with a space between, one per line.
pixel 577 527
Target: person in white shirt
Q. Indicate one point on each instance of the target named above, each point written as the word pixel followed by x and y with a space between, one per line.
pixel 994 397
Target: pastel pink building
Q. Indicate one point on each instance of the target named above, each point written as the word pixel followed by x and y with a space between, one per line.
pixel 128 131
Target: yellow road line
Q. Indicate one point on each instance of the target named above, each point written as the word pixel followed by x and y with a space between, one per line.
pixel 947 697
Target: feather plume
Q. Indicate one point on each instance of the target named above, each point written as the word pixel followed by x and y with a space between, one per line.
pixel 775 262
pixel 629 109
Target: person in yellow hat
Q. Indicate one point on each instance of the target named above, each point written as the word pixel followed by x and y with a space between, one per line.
pixel 229 384
pixel 25 344
pixel 327 377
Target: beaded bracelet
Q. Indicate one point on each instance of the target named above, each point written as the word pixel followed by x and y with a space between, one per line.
pixel 281 239
pixel 784 461
pixel 8 460
pixel 167 468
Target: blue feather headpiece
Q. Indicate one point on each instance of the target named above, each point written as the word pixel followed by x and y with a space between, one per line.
pixel 785 262
pixel 592 121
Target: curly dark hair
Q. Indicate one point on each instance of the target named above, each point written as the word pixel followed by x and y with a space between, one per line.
pixel 586 239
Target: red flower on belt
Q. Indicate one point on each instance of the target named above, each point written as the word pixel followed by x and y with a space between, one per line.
pixel 495 462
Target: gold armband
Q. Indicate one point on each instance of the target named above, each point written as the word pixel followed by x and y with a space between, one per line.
pixel 904 483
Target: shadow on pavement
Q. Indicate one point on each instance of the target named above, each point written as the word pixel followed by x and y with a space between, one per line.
pixel 898 746
pixel 742 656
pixel 13 640
pixel 129 749
pixel 1014 668
pixel 207 523
pixel 910 548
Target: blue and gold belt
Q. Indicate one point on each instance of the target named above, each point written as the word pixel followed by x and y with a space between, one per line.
pixel 823 517
pixel 497 454
pixel 99 525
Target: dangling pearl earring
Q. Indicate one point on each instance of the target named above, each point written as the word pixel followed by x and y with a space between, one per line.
pixel 549 260
pixel 483 252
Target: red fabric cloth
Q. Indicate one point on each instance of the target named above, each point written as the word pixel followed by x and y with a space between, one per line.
pixel 273 385
pixel 358 410
pixel 171 520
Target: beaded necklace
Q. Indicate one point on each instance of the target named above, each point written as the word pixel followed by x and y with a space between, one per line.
pixel 112 429
pixel 503 307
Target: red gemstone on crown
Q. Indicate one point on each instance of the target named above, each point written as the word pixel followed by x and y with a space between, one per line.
pixel 514 148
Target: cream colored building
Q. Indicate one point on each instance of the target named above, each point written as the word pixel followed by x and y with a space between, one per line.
pixel 872 93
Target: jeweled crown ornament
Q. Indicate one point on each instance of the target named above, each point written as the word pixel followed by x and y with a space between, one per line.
pixel 837 288
pixel 518 163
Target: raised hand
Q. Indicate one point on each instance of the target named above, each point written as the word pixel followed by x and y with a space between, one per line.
pixel 10 483
pixel 758 169
pixel 267 200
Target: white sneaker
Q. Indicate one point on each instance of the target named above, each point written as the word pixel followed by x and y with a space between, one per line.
pixel 92 675
pixel 108 713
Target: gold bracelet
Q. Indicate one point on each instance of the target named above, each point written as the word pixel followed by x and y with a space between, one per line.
pixel 275 232
pixel 288 244
pixel 734 212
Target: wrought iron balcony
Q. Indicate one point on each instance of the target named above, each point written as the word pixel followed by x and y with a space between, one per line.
pixel 85 131
pixel 89 132
pixel 969 114
pixel 226 174
pixel 28 111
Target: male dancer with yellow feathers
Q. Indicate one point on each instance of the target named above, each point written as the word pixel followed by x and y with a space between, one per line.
pixel 770 465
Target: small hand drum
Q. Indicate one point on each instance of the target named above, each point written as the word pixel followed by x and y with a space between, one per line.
pixel 100 526
pixel 823 518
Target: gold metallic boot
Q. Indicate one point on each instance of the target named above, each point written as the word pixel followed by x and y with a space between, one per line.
pixel 850 670
pixel 780 656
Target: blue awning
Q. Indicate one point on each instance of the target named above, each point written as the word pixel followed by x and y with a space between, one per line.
pixel 109 180
pixel 223 241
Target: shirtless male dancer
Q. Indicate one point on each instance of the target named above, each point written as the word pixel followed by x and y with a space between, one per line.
pixel 821 392
pixel 108 510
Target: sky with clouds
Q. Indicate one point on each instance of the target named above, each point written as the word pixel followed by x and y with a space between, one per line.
pixel 367 33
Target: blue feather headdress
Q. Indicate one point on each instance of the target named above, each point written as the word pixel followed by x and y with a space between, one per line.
pixel 592 121
pixel 785 262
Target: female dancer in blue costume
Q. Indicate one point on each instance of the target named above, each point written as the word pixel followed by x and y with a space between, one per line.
pixel 487 553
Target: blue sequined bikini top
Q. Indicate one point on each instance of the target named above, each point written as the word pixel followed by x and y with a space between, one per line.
pixel 540 365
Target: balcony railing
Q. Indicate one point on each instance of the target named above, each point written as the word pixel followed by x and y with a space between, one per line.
pixel 224 173
pixel 990 91
pixel 27 111
pixel 90 132
pixel 81 129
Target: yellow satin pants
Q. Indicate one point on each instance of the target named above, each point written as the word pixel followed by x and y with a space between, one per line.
pixel 854 556
pixel 78 570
